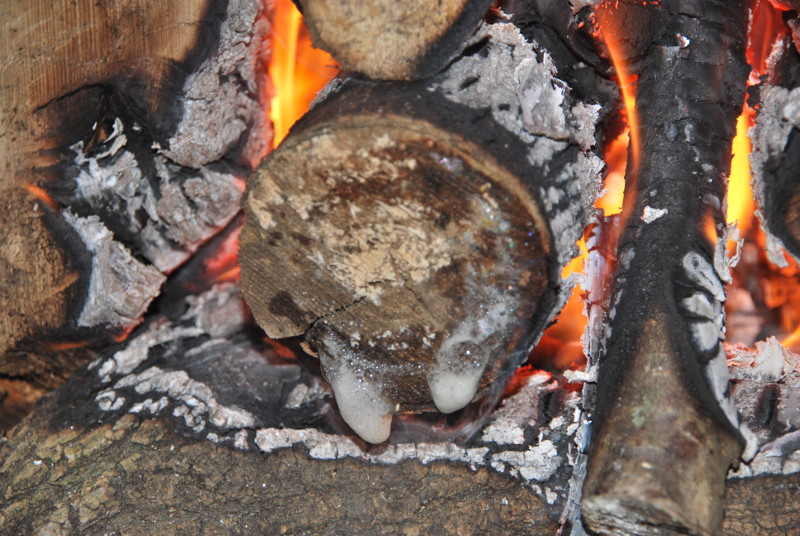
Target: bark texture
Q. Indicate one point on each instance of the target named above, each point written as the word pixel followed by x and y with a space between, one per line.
pixel 662 394
pixel 401 227
pixel 125 131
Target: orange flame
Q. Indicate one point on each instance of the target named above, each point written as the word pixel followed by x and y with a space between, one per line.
pixel 611 33
pixel 298 70
pixel 740 194
pixel 41 195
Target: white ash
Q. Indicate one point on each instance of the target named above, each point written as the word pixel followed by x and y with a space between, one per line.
pixel 535 465
pixel 650 214
pixel 120 287
pixel 513 78
pixel 518 413
pixel 700 272
pixel 769 368
pixel 220 314
pixel 221 99
pixel 181 211
pixel 304 394
pixel 137 350
pixel 196 402
pixel 778 114
pixel 769 362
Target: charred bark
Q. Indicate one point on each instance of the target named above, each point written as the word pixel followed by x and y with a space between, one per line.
pixel 250 434
pixel 663 417
pixel 195 424
pixel 106 185
pixel 416 232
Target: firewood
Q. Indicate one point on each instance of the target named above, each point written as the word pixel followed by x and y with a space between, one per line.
pixel 196 425
pixel 389 40
pixel 106 184
pixel 776 169
pixel 415 232
pixel 666 430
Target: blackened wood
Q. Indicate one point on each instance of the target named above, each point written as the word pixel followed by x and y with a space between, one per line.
pixel 388 40
pixel 199 394
pixel 196 424
pixel 416 232
pixel 666 432
pixel 776 169
pixel 112 121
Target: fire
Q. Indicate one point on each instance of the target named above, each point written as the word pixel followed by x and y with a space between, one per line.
pixel 297 69
pixel 740 194
pixel 41 195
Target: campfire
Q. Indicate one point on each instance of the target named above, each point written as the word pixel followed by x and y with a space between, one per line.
pixel 505 275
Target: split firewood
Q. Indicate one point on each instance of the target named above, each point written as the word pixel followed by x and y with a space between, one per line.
pixel 776 166
pixel 125 132
pixel 389 40
pixel 415 233
pixel 666 430
pixel 196 424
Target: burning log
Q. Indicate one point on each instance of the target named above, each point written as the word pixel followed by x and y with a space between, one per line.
pixel 415 233
pixel 390 40
pixel 666 430
pixel 196 422
pixel 776 158
pixel 107 185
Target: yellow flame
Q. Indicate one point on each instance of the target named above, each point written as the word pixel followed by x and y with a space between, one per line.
pixel 297 70
pixel 740 194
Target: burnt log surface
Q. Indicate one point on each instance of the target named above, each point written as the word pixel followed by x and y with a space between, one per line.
pixel 201 375
pixel 388 40
pixel 125 132
pixel 663 413
pixel 776 169
pixel 196 423
pixel 416 232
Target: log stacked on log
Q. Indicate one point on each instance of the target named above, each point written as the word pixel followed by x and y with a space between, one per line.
pixel 415 232
pixel 196 423
pixel 125 131
pixel 388 40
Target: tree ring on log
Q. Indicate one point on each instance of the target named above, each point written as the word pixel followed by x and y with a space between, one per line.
pixel 390 40
pixel 406 253
pixel 415 232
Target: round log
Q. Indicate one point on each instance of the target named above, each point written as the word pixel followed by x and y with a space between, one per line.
pixel 390 40
pixel 415 233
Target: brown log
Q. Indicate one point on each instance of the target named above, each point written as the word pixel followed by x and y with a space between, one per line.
pixel 389 40
pixel 415 233
pixel 196 425
pixel 665 429
pixel 106 186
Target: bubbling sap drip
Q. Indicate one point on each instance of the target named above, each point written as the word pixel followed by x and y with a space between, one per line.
pixel 358 391
pixel 463 356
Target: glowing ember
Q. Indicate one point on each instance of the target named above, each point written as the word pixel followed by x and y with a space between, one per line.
pixel 297 69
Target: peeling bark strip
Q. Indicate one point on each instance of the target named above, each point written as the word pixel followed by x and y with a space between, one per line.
pixel 113 120
pixel 666 431
pixel 389 40
pixel 416 232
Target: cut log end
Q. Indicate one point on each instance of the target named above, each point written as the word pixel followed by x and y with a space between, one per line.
pixel 405 252
pixel 392 40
